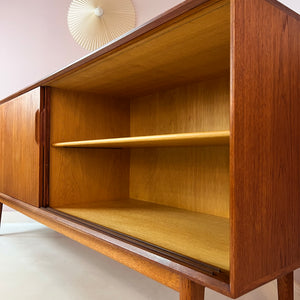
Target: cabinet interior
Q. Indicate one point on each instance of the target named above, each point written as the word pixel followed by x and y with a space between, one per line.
pixel 144 148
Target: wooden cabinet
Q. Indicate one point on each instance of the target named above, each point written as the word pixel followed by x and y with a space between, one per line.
pixel 175 149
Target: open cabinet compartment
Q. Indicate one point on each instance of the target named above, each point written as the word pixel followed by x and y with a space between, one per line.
pixel 151 154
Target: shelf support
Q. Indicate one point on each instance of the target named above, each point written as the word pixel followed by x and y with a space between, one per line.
pixel 285 287
pixel 190 290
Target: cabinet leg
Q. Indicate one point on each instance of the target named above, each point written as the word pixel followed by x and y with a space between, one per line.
pixel 285 286
pixel 1 206
pixel 191 290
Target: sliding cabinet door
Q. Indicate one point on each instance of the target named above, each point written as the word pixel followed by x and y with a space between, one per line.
pixel 19 147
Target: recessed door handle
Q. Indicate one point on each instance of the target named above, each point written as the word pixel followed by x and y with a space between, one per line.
pixel 37 126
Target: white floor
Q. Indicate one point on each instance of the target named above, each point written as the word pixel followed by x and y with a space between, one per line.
pixel 38 263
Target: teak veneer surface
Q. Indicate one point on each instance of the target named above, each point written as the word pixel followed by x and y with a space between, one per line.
pixel 183 139
pixel 200 49
pixel 264 143
pixel 199 236
pixel 20 152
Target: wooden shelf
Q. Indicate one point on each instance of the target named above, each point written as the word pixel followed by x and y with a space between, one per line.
pixel 181 139
pixel 199 236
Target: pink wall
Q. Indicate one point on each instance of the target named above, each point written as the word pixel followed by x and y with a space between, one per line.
pixel 35 40
pixel 148 9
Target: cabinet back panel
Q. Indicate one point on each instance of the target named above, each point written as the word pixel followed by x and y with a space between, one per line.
pixel 82 176
pixel 193 178
pixel 201 106
pixel 86 116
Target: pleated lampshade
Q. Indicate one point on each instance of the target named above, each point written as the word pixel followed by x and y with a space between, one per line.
pixel 94 23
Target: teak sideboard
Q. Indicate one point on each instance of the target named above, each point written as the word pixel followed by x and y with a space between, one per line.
pixel 173 150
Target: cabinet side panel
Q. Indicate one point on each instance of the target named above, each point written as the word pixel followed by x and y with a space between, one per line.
pixel 19 140
pixel 264 149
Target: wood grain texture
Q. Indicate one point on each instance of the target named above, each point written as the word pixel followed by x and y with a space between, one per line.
pixel 265 126
pixel 285 286
pixel 199 236
pixel 150 264
pixel 190 290
pixel 193 178
pixel 20 151
pixel 87 116
pixel 146 64
pixel 183 139
pixel 88 175
pixel 195 107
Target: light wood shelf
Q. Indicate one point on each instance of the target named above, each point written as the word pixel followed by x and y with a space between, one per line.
pixel 199 236
pixel 181 139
